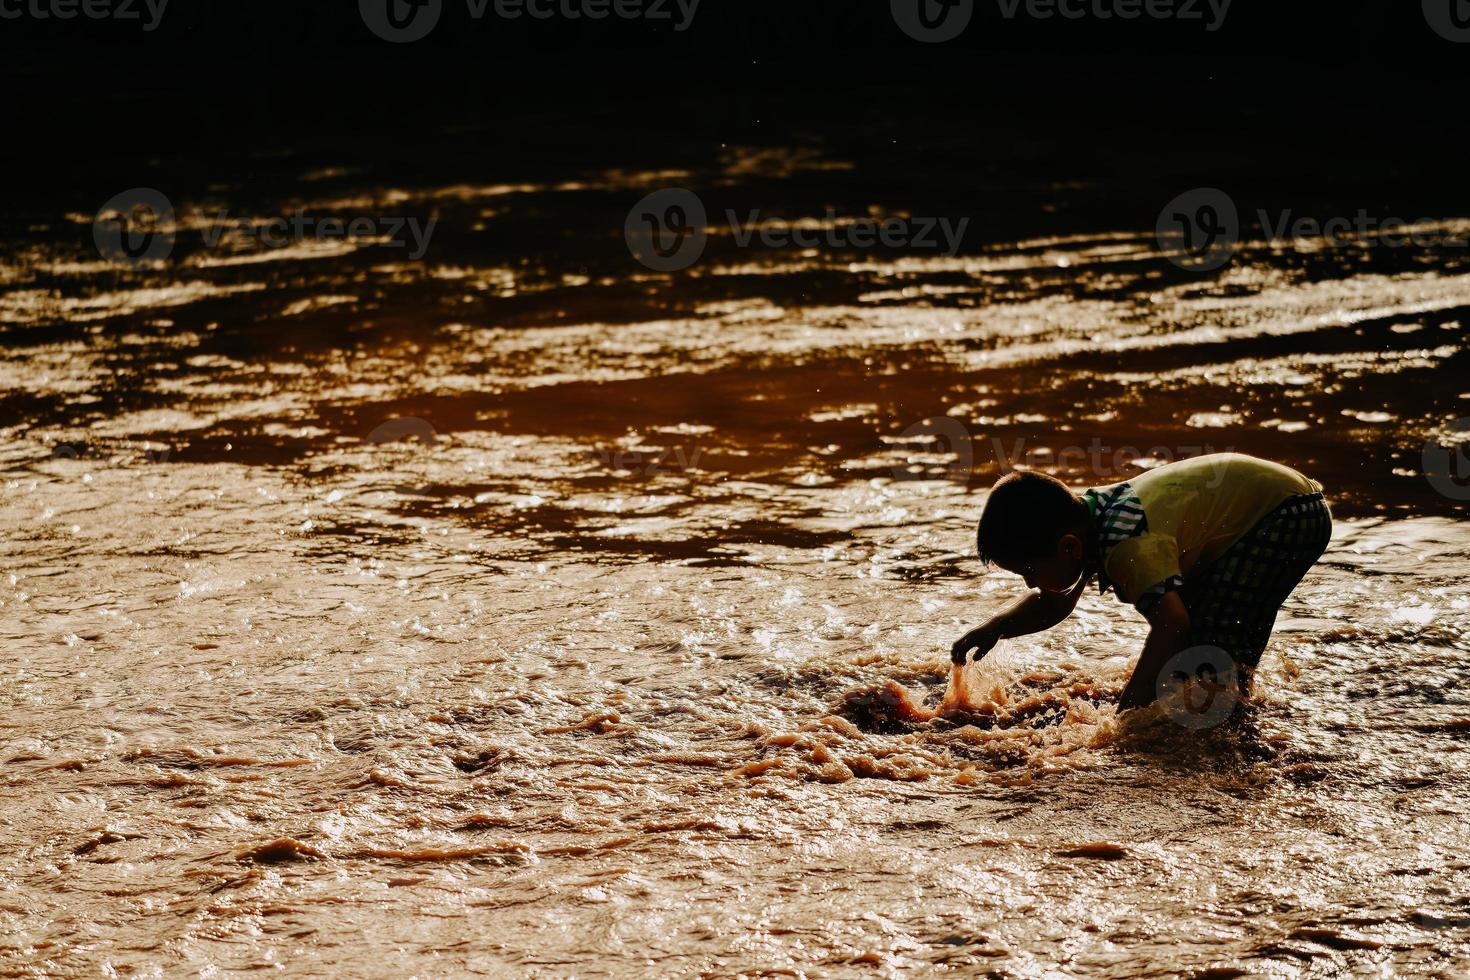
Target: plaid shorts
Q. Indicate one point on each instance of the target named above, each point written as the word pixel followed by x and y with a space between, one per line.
pixel 1234 600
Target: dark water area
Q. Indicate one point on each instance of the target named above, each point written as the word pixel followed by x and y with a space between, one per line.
pixel 531 242
pixel 470 597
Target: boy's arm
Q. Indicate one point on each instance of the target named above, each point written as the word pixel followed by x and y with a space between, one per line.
pixel 1032 613
pixel 1167 635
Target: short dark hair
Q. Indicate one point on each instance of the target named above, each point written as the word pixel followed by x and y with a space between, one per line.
pixel 1025 516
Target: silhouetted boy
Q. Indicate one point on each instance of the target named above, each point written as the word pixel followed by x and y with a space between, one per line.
pixel 1206 548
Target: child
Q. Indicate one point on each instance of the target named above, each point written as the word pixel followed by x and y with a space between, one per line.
pixel 1206 548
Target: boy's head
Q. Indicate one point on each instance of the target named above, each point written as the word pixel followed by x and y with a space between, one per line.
pixel 1033 526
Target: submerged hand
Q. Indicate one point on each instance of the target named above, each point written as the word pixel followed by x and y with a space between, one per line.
pixel 980 639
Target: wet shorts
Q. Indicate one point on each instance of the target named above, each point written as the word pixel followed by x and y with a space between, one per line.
pixel 1233 601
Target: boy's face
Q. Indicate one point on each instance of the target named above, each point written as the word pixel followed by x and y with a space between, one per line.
pixel 1054 573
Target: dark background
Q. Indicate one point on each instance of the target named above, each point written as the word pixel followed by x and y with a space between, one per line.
pixel 1350 101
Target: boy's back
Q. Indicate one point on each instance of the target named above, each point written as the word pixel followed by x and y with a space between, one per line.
pixel 1193 511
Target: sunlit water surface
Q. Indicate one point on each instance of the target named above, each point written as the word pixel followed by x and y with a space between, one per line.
pixel 370 616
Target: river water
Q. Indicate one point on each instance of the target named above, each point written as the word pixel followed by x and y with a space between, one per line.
pixel 518 610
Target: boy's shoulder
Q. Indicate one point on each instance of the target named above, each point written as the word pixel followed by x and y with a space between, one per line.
pixel 1217 471
pixel 1117 514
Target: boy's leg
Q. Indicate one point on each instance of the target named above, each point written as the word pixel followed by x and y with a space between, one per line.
pixel 1233 603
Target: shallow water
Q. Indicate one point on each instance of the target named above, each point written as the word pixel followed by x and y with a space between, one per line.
pixel 479 615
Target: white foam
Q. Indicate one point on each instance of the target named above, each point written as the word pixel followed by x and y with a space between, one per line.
pixel 997 669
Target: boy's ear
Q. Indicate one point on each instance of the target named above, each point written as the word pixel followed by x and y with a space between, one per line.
pixel 1071 546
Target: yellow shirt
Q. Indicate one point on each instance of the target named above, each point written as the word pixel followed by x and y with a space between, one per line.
pixel 1194 510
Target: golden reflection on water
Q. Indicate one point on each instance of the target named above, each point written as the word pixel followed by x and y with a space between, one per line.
pixel 356 625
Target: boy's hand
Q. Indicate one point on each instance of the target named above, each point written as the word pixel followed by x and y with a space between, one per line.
pixel 981 639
